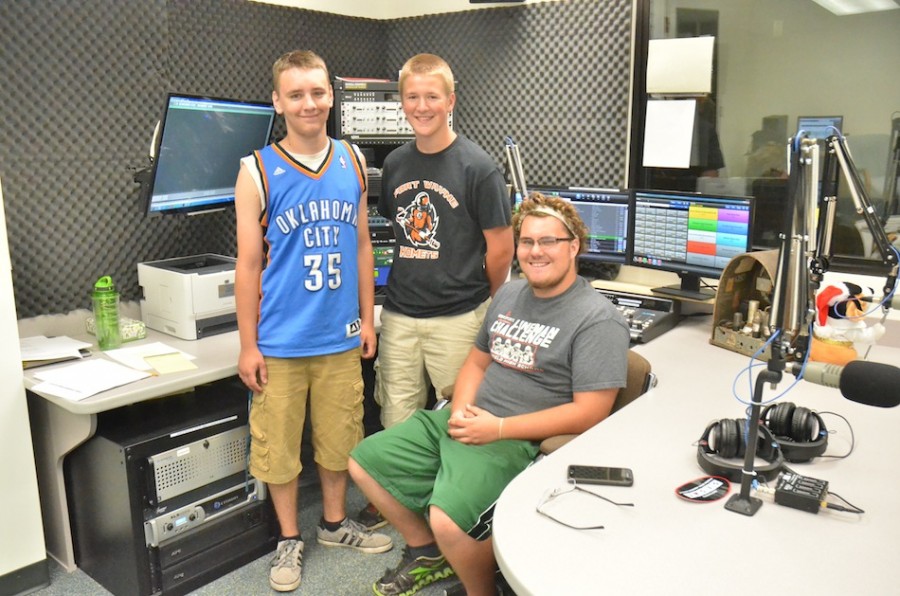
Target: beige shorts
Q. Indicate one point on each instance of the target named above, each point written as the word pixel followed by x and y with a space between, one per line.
pixel 412 352
pixel 332 386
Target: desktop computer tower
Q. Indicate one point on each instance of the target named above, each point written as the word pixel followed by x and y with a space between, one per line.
pixel 160 499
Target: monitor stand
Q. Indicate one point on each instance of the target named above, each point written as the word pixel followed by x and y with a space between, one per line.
pixel 689 289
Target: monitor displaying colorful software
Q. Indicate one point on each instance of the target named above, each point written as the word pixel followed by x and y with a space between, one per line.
pixel 690 234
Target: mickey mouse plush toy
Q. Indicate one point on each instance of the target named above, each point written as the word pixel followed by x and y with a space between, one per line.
pixel 840 324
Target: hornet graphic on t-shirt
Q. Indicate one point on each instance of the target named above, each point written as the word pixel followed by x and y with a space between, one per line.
pixel 420 221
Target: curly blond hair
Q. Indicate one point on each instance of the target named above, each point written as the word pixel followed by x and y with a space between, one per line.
pixel 537 204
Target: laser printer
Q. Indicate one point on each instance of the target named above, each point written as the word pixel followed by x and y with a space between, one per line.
pixel 189 297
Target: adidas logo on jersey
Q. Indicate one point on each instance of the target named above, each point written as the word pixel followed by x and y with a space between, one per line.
pixel 354 328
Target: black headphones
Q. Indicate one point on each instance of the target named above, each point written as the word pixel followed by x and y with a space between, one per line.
pixel 800 432
pixel 724 439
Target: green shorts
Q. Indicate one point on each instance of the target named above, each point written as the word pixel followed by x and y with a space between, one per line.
pixel 333 387
pixel 420 465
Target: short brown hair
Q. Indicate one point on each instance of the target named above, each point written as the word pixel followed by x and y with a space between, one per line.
pixel 305 59
pixel 427 64
pixel 537 202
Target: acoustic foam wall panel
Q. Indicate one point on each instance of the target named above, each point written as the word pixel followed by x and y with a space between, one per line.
pixel 554 76
pixel 84 85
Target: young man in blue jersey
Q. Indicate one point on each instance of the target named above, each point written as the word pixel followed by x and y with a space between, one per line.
pixel 549 359
pixel 304 291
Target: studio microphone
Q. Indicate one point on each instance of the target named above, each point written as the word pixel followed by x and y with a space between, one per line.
pixel 867 383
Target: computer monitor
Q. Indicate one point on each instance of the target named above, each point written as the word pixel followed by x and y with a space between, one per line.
pixel 820 127
pixel 606 213
pixel 201 142
pixel 384 257
pixel 770 201
pixel 381 234
pixel 690 234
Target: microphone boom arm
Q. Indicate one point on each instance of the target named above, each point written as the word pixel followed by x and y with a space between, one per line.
pixel 516 171
pixel 794 296
pixel 837 150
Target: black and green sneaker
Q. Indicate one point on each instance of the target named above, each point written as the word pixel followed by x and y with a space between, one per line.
pixel 412 574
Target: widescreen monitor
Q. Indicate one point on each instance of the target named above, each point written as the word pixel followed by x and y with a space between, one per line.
pixel 201 143
pixel 605 212
pixel 690 234
pixel 820 127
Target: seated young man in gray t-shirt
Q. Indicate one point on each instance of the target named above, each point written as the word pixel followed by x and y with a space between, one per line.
pixel 548 360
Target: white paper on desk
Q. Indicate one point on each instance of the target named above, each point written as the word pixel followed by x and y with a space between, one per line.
pixel 682 65
pixel 669 133
pixel 60 391
pixel 39 347
pixel 87 378
pixel 135 356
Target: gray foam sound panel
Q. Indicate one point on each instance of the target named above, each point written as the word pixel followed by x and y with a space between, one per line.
pixel 84 83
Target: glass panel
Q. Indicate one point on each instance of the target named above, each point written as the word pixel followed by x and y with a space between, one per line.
pixel 776 61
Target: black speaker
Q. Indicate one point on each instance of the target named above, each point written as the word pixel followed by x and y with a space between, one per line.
pixel 800 432
pixel 723 440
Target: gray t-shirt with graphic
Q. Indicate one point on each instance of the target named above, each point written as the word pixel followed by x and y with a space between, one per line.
pixel 546 349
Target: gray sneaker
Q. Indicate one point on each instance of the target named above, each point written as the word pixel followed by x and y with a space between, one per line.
pixel 352 534
pixel 285 568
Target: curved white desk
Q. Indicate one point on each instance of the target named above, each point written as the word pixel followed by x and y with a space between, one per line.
pixel 664 545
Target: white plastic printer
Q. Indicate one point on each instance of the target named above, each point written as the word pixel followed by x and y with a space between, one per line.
pixel 189 297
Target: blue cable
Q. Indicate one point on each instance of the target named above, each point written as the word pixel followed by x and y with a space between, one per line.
pixel 753 364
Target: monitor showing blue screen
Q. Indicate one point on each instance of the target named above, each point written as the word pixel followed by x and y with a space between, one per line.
pixel 201 143
pixel 605 212
pixel 689 234
pixel 384 257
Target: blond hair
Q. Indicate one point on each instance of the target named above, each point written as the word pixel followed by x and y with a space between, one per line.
pixel 427 64
pixel 539 205
pixel 304 59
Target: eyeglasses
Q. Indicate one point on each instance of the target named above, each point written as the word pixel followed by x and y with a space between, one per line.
pixel 552 494
pixel 545 242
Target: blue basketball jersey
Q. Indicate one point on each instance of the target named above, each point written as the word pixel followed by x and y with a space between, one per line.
pixel 309 303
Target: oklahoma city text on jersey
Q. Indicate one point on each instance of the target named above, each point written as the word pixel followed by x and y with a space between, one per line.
pixel 313 212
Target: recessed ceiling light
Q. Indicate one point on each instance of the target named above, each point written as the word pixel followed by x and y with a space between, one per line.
pixel 843 7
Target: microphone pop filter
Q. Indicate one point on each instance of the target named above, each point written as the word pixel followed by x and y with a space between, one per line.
pixel 871 383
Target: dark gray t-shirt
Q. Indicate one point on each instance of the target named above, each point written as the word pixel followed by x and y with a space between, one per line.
pixel 439 204
pixel 546 349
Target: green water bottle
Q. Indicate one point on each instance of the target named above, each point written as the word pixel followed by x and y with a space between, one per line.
pixel 106 313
